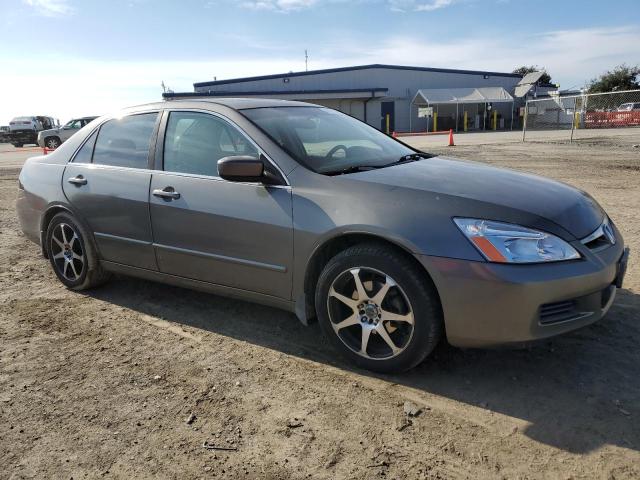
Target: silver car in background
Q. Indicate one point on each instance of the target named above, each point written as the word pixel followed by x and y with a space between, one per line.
pixel 307 209
pixel 55 137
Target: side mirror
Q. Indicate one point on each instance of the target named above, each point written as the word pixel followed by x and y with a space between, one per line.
pixel 241 168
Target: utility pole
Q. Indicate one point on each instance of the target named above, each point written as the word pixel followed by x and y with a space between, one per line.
pixel 306 60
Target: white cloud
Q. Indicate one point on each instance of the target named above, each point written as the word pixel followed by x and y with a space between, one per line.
pixel 279 5
pixel 419 5
pixel 51 8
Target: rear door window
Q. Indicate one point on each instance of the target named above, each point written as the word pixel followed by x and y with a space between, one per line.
pixel 194 143
pixel 85 153
pixel 124 142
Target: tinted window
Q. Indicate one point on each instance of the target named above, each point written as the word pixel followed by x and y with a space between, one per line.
pixel 125 142
pixel 84 154
pixel 196 141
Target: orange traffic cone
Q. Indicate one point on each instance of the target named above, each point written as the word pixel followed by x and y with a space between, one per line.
pixel 451 144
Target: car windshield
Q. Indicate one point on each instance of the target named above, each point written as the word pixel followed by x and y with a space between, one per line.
pixel 327 141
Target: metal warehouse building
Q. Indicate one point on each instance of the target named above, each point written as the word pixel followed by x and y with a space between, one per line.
pixel 391 97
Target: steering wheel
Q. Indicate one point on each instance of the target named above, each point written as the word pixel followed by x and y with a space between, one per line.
pixel 333 151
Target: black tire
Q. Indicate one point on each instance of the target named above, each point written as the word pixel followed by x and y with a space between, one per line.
pixel 17 145
pixel 73 272
pixel 412 286
pixel 52 142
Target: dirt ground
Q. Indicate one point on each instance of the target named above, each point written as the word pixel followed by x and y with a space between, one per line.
pixel 131 380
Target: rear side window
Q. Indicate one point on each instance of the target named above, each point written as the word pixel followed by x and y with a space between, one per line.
pixel 194 143
pixel 124 142
pixel 84 154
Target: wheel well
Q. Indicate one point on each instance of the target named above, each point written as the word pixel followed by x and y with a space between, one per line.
pixel 46 219
pixel 52 136
pixel 336 245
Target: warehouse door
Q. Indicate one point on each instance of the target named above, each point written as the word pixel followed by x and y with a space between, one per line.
pixel 387 108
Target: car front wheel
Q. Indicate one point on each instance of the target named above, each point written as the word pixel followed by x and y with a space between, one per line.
pixel 52 143
pixel 378 308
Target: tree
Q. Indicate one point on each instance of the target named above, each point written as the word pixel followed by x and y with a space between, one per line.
pixel 620 78
pixel 546 78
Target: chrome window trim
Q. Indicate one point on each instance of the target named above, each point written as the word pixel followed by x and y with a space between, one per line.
pixel 219 179
pixel 102 166
pixel 240 130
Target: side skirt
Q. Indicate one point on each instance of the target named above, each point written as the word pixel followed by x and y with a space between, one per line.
pixel 183 282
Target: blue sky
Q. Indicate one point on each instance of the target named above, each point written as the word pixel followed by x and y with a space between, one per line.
pixel 77 57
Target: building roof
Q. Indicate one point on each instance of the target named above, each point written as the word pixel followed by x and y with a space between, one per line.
pixel 222 93
pixel 350 69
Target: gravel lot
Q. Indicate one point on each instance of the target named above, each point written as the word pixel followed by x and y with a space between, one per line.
pixel 131 379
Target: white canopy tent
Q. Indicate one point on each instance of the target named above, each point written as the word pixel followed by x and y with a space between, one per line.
pixel 457 96
pixel 435 96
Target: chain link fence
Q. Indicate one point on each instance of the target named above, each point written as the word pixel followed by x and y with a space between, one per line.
pixel 582 116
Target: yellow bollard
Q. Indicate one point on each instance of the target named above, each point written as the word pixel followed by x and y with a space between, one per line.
pixel 576 119
pixel 388 122
pixel 435 121
pixel 495 120
pixel 466 121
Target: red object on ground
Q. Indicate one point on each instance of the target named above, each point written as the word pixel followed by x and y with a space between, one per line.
pixel 451 144
pixel 394 134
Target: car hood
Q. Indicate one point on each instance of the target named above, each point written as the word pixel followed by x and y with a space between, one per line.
pixel 572 209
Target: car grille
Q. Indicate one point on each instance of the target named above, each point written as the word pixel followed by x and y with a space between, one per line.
pixel 557 312
pixel 602 238
pixel 598 243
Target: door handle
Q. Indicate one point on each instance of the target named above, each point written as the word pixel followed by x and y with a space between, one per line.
pixel 79 180
pixel 167 193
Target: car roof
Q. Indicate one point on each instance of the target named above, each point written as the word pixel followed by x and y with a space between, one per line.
pixel 207 104
pixel 240 103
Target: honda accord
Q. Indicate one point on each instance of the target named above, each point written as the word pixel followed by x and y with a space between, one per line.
pixel 307 209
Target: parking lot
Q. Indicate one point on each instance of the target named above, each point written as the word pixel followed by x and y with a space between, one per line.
pixel 133 378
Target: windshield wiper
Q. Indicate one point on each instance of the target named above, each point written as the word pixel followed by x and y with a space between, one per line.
pixel 412 157
pixel 352 169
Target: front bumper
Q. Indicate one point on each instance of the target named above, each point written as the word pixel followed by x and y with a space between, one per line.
pixel 486 304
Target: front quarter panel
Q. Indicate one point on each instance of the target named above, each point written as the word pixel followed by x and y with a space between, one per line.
pixel 327 207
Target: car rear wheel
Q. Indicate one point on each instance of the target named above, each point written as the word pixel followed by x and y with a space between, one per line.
pixel 17 145
pixel 52 142
pixel 378 308
pixel 72 255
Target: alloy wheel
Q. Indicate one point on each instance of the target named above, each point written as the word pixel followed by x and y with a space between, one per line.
pixel 68 255
pixel 370 313
pixel 52 143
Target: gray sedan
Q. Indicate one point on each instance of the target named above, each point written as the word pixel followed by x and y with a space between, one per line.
pixel 307 209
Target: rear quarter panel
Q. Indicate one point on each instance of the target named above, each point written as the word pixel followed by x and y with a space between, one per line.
pixel 41 185
pixel 41 189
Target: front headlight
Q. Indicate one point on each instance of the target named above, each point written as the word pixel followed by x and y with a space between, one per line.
pixel 508 243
